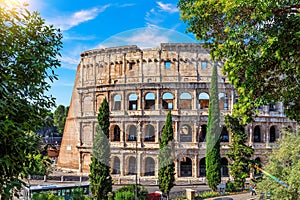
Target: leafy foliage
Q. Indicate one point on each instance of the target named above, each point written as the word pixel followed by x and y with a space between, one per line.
pixel 127 193
pixel 59 117
pixel 29 51
pixel 46 196
pixel 101 181
pixel 240 153
pixel 284 164
pixel 259 41
pixel 213 158
pixel 166 173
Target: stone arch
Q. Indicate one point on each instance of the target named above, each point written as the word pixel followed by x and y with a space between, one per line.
pixel 203 99
pixel 131 165
pixel 115 133
pixel 149 167
pixel 116 165
pixel 224 167
pixel 186 167
pixel 202 134
pixel 168 101
pixel 257 134
pixel 223 101
pixel 132 101
pixel 186 133
pixel 273 135
pixel 149 101
pixel 185 101
pixel 116 103
pixel 149 131
pixel 224 135
pixel 202 167
pixel 132 133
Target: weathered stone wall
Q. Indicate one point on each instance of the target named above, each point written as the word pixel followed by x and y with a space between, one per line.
pixel 142 86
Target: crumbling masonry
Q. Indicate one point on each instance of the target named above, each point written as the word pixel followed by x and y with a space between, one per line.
pixel 141 86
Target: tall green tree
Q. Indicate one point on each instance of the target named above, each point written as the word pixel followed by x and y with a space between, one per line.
pixel 213 158
pixel 259 41
pixel 166 173
pixel 60 116
pixel 284 165
pixel 29 54
pixel 100 178
pixel 240 154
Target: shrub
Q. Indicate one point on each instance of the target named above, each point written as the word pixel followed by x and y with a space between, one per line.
pixel 126 192
pixel 230 187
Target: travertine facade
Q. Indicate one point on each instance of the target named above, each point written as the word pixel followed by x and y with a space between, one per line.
pixel 142 85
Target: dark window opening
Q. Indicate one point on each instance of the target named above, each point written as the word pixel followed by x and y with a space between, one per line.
pixel 116 133
pixel 257 134
pixel 150 167
pixel 202 168
pixel 116 166
pixel 132 133
pixel 272 134
pixel 224 135
pixel 186 167
pixel 149 134
pixel 202 135
pixel 224 167
pixel 132 166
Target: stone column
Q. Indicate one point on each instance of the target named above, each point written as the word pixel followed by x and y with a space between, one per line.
pixel 194 104
pixel 267 134
pixel 196 167
pixel 251 135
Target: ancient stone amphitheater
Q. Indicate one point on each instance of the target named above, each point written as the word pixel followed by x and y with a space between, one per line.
pixel 142 86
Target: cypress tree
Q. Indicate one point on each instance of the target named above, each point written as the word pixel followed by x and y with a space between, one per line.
pixel 166 173
pixel 101 181
pixel 239 153
pixel 213 158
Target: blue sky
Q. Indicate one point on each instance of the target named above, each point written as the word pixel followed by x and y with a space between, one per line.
pixel 92 24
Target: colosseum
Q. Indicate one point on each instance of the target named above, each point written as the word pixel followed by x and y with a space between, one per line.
pixel 142 86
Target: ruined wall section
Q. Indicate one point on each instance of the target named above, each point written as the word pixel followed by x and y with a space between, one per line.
pixel 68 156
pixel 125 70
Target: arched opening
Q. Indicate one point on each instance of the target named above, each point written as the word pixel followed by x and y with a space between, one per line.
pixel 167 101
pixel 202 135
pixel 116 166
pixel 203 100
pixel 116 133
pixel 149 167
pixel 224 167
pixel 272 134
pixel 149 134
pixel 186 168
pixel 131 166
pixel 116 105
pixel 202 167
pixel 150 101
pixel 185 133
pixel 257 134
pixel 185 101
pixel 223 101
pixel 132 133
pixel 224 135
pixel 133 102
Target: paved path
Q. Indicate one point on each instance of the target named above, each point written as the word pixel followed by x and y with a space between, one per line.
pixel 243 196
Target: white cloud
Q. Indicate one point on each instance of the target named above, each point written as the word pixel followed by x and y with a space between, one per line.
pixel 67 22
pixel 167 7
pixel 148 37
